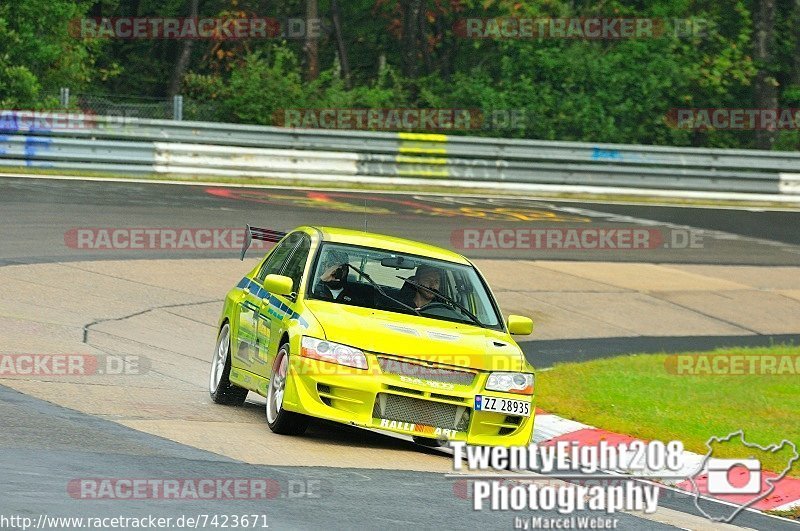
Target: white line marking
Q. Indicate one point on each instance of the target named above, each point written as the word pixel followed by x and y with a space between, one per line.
pixel 793 203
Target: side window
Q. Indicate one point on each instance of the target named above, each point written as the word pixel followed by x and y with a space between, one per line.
pixel 296 264
pixel 278 256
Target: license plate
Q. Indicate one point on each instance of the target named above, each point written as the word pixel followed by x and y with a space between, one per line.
pixel 502 405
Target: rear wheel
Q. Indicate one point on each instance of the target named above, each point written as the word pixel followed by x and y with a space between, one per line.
pixel 279 420
pixel 219 384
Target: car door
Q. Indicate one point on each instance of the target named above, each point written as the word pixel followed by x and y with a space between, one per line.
pixel 276 309
pixel 249 307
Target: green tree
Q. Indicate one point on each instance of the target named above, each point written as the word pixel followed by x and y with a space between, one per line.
pixel 39 54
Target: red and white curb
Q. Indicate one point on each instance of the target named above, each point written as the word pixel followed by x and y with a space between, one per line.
pixel 550 429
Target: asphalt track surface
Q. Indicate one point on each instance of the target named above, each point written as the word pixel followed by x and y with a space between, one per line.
pixel 36 214
pixel 43 446
pixel 46 446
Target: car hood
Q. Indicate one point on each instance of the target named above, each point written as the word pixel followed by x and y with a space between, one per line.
pixel 409 336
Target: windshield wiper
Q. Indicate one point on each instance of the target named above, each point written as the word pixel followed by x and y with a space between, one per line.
pixel 380 289
pixel 448 301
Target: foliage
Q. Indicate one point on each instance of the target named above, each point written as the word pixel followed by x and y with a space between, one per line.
pixel 38 55
pixel 565 88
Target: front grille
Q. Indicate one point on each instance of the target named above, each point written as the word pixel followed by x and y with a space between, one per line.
pixel 440 396
pixel 405 390
pixel 425 372
pixel 425 412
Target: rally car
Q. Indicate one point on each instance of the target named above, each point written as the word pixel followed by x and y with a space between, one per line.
pixel 377 332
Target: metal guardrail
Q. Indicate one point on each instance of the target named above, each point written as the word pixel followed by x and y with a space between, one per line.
pixel 183 148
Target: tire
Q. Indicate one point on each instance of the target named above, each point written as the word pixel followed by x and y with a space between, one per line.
pixel 279 420
pixel 220 388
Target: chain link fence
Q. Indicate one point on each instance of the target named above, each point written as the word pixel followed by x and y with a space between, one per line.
pixel 204 111
pixel 135 106
pixel 127 106
pixel 130 106
pixel 124 105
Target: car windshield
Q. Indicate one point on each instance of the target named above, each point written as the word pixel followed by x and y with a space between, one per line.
pixel 402 283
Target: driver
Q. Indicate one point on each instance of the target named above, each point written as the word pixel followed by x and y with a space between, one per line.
pixel 431 278
pixel 333 283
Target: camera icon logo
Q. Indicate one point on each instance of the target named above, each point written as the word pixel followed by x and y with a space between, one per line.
pixel 740 476
pixel 734 476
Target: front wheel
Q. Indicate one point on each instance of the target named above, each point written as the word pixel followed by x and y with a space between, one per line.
pixel 219 384
pixel 279 420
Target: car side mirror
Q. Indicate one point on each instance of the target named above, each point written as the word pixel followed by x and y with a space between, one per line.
pixel 278 284
pixel 519 325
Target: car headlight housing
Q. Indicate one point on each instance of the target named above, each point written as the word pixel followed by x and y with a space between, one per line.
pixel 510 382
pixel 319 349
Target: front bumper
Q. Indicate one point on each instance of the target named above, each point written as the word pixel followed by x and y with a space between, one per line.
pixel 437 402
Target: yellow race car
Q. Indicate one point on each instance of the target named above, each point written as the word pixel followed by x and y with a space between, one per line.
pixel 377 332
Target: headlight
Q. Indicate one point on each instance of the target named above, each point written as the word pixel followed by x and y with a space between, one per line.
pixel 510 382
pixel 320 349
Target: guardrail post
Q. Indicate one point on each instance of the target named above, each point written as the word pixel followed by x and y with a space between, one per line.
pixel 177 107
pixel 64 97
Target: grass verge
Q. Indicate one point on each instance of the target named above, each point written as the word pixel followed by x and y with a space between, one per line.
pixel 793 514
pixel 640 396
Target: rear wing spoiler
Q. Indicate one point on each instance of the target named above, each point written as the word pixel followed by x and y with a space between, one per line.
pixel 257 233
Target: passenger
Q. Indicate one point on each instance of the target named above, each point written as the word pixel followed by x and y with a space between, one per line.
pixel 334 283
